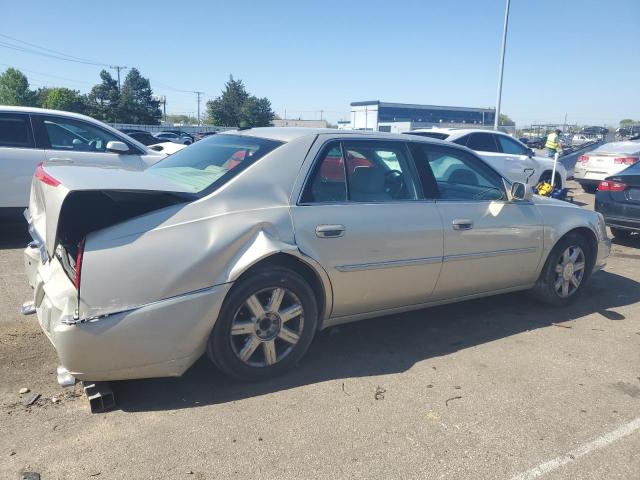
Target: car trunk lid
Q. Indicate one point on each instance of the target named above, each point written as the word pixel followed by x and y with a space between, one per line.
pixel 67 202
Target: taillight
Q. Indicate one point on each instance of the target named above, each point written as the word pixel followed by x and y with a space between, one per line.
pixel 611 186
pixel 626 160
pixel 583 159
pixel 79 254
pixel 44 177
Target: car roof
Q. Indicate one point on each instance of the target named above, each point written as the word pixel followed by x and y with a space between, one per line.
pixel 457 132
pixel 288 134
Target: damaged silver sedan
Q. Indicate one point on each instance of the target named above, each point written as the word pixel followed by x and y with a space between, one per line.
pixel 248 242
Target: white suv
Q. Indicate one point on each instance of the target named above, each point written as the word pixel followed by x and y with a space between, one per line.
pixel 509 156
pixel 29 136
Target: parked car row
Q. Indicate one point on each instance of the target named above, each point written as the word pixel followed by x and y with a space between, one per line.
pixel 606 160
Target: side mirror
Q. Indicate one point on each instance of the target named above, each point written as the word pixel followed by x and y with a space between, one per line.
pixel 117 147
pixel 530 152
pixel 520 191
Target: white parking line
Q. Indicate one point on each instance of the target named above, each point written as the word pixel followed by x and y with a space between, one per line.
pixel 598 443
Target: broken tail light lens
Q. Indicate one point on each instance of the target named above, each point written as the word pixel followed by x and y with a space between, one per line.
pixel 44 177
pixel 625 160
pixel 79 255
pixel 611 186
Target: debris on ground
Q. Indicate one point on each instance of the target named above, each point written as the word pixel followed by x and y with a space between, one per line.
pixel 431 415
pixel 55 399
pixel 561 325
pixel 23 390
pixel 344 391
pixel 12 453
pixel 379 395
pixel 446 403
pixel 29 476
pixel 33 399
pixel 457 387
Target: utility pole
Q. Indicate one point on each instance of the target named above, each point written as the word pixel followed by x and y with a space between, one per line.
pixel 321 112
pixel 504 46
pixel 198 100
pixel 118 68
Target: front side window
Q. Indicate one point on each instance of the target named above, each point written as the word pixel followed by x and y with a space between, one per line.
pixel 461 176
pixel 482 142
pixel 211 162
pixel 510 146
pixel 77 136
pixel 15 131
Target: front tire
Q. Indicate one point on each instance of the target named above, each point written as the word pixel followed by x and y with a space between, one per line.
pixel 265 326
pixel 565 272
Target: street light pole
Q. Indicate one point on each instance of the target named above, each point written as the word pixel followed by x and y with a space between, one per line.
pixel 504 46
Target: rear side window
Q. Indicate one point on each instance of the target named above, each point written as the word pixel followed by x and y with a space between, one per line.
pixel 361 171
pixel 482 142
pixel 15 131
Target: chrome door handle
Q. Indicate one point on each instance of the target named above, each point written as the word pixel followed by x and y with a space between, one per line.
pixel 330 231
pixel 462 224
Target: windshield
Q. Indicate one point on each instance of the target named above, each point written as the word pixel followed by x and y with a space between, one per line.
pixel 209 163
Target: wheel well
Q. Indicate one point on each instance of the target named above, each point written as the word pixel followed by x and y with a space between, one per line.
pixel 547 174
pixel 302 269
pixel 587 234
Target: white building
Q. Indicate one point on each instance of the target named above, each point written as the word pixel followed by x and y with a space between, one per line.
pixel 401 117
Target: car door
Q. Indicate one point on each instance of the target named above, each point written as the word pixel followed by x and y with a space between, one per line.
pixel 73 140
pixel 19 158
pixel 363 217
pixel 517 156
pixel 490 244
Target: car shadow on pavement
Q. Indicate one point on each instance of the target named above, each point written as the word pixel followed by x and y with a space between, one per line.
pixel 14 234
pixel 386 345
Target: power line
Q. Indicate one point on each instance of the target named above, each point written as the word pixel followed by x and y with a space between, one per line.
pixel 48 55
pixel 48 49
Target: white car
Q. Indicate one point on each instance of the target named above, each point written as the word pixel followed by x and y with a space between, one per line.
pixel 604 161
pixel 507 155
pixel 29 136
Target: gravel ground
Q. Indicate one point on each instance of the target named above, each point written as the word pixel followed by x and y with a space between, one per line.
pixel 491 388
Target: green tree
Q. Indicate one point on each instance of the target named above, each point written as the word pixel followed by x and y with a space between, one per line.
pixel 505 120
pixel 14 89
pixel 103 99
pixel 237 108
pixel 626 121
pixel 136 103
pixel 61 98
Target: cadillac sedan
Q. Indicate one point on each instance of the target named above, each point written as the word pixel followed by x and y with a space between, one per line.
pixel 248 242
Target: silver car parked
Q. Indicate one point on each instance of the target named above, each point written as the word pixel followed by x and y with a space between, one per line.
pixel 248 242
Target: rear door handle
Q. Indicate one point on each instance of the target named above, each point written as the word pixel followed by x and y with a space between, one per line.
pixel 462 224
pixel 330 231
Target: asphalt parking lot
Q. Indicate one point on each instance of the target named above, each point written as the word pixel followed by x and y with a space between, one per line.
pixel 498 388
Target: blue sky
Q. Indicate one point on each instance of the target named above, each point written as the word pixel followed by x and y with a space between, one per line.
pixel 574 57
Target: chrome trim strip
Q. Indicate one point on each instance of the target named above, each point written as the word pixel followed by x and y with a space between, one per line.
pixel 388 264
pixel 495 253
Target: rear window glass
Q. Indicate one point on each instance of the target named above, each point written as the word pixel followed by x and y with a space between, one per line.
pixel 209 163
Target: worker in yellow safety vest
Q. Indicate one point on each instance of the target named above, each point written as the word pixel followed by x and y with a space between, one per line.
pixel 553 145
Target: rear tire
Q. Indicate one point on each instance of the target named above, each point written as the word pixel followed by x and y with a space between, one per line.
pixel 265 326
pixel 565 272
pixel 588 188
pixel 620 233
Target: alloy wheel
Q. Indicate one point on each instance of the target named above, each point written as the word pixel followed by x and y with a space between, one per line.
pixel 267 327
pixel 569 271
